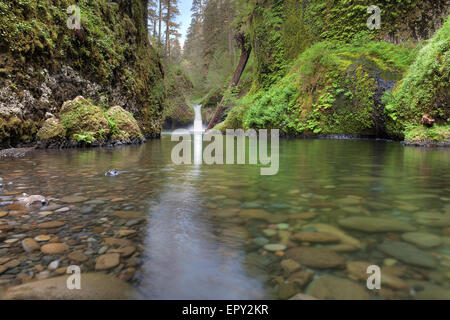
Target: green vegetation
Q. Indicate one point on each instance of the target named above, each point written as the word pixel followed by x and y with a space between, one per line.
pixel 329 89
pixel 424 90
pixel 317 69
pixel 111 49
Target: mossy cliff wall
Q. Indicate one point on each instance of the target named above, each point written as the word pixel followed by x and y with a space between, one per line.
pixel 319 70
pixel 43 63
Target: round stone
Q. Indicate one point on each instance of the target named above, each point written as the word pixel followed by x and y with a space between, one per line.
pixel 3 214
pixel 30 245
pixel 107 261
pixel 78 256
pixel 54 248
pixel 50 225
pixel 42 238
pixel 11 241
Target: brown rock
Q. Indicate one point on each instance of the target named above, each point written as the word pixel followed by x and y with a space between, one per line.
pixel 290 266
pixel 116 242
pixel 124 251
pixel 95 286
pixel 54 248
pixel 125 233
pixel 335 288
pixel 357 270
pixel 107 261
pixel 50 225
pixel 301 278
pixel 30 245
pixel 316 257
pixel 78 256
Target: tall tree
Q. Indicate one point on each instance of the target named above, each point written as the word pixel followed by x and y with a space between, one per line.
pixel 152 17
pixel 171 13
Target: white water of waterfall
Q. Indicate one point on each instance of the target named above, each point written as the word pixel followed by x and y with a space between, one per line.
pixel 198 124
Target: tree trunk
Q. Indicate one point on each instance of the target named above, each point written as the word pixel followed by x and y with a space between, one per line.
pixel 245 55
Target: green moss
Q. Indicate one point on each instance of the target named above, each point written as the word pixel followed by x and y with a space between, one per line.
pixel 330 89
pixel 111 49
pixel 178 84
pixel 425 88
pixel 418 134
pixel 84 121
pixel 122 124
pixel 51 130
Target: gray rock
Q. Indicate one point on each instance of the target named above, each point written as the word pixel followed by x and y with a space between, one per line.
pixel 422 290
pixel 422 239
pixel 408 254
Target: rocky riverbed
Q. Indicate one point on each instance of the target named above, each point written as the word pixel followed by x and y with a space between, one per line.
pixel 41 236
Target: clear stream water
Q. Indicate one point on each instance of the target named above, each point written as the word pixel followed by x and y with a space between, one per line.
pixel 206 224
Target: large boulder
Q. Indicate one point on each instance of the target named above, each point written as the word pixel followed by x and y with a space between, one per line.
pixel 84 121
pixel 51 130
pixel 123 125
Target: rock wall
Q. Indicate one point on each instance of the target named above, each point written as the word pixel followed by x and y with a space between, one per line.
pixel 43 63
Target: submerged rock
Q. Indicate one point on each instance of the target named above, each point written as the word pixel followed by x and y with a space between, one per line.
pixel 319 237
pixel 408 254
pixel 422 290
pixel 316 257
pixel 335 288
pixel 432 219
pixel 369 224
pixel 422 239
pixel 326 228
pixel 94 286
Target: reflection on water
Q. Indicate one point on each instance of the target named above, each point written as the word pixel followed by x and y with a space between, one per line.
pixel 208 227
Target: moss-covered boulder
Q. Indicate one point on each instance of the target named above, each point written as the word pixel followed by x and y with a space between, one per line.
pixel 84 121
pixel 123 125
pixel 51 130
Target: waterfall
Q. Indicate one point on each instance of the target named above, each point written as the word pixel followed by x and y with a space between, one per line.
pixel 198 124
